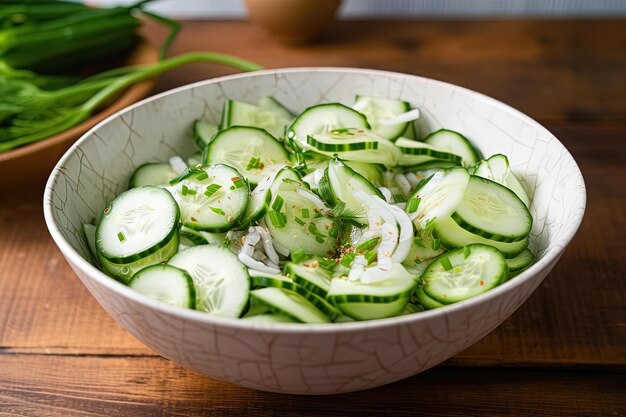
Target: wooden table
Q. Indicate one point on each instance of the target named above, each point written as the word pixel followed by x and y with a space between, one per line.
pixel 562 353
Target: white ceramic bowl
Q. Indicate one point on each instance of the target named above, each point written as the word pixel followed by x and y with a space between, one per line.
pixel 300 358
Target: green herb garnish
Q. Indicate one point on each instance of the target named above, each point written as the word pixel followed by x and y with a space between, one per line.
pixel 217 210
pixel 298 255
pixel 212 189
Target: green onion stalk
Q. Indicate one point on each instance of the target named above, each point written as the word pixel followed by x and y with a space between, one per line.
pixel 34 114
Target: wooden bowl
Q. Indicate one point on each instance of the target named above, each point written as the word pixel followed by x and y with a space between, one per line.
pixel 28 166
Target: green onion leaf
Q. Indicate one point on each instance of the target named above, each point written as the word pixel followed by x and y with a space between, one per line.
pixel 121 237
pixel 298 255
pixel 370 256
pixel 212 189
pixel 347 259
pixel 217 210
pixel 305 213
pixel 436 244
pixel 278 203
pixel 399 198
pixel 367 245
pixel 327 264
pixel 238 182
pixel 276 218
pixel 445 263
pixel 254 163
pixel 466 252
pixel 412 204
pixel 299 221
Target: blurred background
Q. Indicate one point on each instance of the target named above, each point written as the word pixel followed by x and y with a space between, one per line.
pixel 364 9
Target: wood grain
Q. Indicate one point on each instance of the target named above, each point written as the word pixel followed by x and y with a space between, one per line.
pixel 562 353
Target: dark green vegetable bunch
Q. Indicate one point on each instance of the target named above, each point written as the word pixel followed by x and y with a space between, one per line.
pixel 59 36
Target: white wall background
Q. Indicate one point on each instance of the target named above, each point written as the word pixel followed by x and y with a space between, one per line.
pixel 363 9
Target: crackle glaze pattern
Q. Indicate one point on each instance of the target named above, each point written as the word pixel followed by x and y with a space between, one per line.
pixel 310 359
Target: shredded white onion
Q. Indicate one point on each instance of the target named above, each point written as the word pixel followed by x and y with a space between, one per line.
pixel 250 241
pixel 403 183
pixel 386 193
pixel 177 163
pixel 409 116
pixel 358 265
pixel 256 265
pixel 311 197
pixel 267 244
pixel 412 179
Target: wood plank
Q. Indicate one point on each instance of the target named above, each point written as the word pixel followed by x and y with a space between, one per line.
pixel 34 385
pixel 578 316
pixel 553 70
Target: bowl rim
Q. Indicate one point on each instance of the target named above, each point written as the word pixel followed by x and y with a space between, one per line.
pixel 552 254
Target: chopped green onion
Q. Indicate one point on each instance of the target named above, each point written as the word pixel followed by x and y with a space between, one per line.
pixel 299 221
pixel 121 237
pixel 212 189
pixel 276 218
pixel 370 256
pixel 333 231
pixel 217 210
pixel 254 163
pixel 320 239
pixel 418 242
pixel 298 255
pixel 305 213
pixel 347 259
pixel 399 198
pixel 187 191
pixel 238 182
pixel 367 245
pixel 412 204
pixel 327 264
pixel 202 176
pixel 278 203
pixel 445 263
pixel 466 252
pixel 436 244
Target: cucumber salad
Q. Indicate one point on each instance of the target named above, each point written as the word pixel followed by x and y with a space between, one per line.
pixel 337 214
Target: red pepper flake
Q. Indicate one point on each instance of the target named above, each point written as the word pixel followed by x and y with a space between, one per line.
pixel 106 209
pixel 233 179
pixel 482 282
pixel 307 265
pixel 193 219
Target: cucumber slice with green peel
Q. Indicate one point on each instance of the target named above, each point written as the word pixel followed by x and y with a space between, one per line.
pixel 89 231
pixel 125 271
pixel 416 153
pixel 521 261
pixel 491 210
pixel 260 199
pixel 203 238
pixel 156 174
pixel 290 304
pixel 271 104
pixel 412 309
pixel 420 254
pixel 296 220
pixel 372 311
pixel 438 198
pixel 137 224
pixel 426 301
pixel 323 118
pixel 377 110
pixel 203 132
pixel 353 144
pixel 287 179
pixel 340 182
pixel 464 273
pixel 256 309
pixel 453 236
pixel 280 281
pixel 309 276
pixel 497 169
pixel 221 281
pixel 431 164
pixel 269 318
pixel 401 285
pixel 411 132
pixel 454 142
pixel 239 113
pixel 252 151
pixel 212 198
pixel 165 283
pixel 372 172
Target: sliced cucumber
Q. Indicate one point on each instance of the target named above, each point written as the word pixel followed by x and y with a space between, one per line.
pixel 271 104
pixel 416 153
pixel 165 283
pixel 260 200
pixel 289 304
pixel 280 281
pixel 464 273
pixel 432 164
pixel 309 276
pixel 492 211
pixel 372 311
pixel 455 143
pixel 156 174
pixel 378 109
pixel 212 198
pixel 427 302
pixel 353 144
pixel 454 236
pixel 297 218
pixel 136 224
pixel 252 151
pixel 439 197
pixel 323 118
pixel 203 132
pixel 238 113
pixel 339 183
pixel 497 169
pixel 372 172
pixel 270 318
pixel 520 262
pixel 222 283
